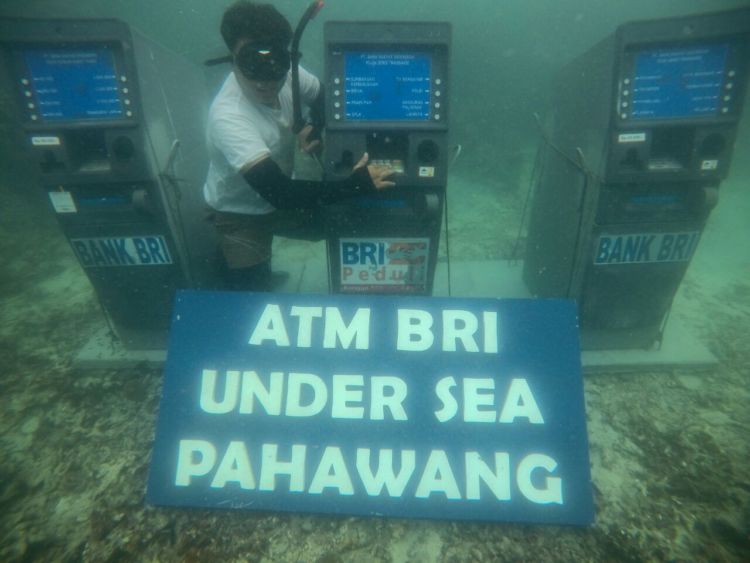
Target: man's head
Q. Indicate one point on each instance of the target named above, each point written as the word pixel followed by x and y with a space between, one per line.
pixel 258 37
pixel 260 23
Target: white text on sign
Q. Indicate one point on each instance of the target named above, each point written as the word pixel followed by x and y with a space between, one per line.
pixel 317 326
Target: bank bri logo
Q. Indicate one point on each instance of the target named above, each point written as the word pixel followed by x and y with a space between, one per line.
pixel 646 248
pixel 123 251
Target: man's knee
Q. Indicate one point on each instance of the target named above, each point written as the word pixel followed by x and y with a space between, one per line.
pixel 252 278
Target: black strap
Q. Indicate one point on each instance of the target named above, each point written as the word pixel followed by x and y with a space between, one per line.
pixel 317 115
pixel 282 192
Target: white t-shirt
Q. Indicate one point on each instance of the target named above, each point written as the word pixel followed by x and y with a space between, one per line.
pixel 241 131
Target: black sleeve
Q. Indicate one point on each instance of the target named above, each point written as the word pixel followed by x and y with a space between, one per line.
pixel 282 192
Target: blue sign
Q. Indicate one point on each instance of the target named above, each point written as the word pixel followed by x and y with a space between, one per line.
pixel 387 86
pixel 411 407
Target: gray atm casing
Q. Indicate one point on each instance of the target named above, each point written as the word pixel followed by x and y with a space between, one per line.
pixel 140 175
pixel 595 181
pixel 413 209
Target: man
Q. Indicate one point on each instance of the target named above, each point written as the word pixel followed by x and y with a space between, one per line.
pixel 251 149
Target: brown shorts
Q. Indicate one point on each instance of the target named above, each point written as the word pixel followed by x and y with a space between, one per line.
pixel 246 240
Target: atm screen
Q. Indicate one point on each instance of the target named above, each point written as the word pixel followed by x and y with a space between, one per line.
pixel 387 86
pixel 679 82
pixel 72 83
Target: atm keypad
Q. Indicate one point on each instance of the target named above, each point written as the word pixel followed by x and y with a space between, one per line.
pixel 396 164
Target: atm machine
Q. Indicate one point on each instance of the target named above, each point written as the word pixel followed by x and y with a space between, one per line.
pixel 387 95
pixel 640 139
pixel 115 127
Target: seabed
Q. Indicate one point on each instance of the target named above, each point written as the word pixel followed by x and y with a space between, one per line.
pixel 668 443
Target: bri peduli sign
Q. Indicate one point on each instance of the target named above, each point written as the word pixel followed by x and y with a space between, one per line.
pixel 374 405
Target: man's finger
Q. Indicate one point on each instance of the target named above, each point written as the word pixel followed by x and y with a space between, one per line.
pixel 362 161
pixel 382 172
pixel 311 147
pixel 380 184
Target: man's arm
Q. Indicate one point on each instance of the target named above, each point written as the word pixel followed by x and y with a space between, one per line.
pixel 266 178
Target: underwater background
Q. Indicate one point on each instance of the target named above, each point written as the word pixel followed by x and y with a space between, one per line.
pixel 670 449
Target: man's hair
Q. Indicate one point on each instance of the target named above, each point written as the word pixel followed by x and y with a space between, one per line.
pixel 258 22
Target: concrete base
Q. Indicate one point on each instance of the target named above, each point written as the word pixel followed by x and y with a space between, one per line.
pixel 105 351
pixel 494 279
pixel 680 349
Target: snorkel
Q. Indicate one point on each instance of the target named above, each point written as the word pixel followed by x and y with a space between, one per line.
pixel 299 122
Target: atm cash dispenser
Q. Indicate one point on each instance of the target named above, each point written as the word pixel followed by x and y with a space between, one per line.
pixel 387 95
pixel 115 129
pixel 642 133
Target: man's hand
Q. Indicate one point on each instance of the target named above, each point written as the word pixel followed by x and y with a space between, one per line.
pixel 378 173
pixel 305 145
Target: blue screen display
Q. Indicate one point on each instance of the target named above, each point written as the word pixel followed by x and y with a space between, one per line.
pixel 678 82
pixel 74 83
pixel 387 86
